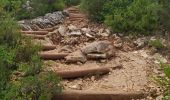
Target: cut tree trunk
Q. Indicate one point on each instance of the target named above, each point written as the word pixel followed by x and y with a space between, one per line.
pixel 35 36
pixel 52 56
pixel 49 29
pixel 48 47
pixel 99 95
pixel 82 72
pixel 35 32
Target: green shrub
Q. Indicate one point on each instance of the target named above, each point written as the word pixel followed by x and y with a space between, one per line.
pixel 132 15
pixel 21 74
pixel 139 16
pixel 94 8
pixel 39 8
pixel 164 81
pixel 72 2
pixel 165 14
pixel 157 44
pixel 41 87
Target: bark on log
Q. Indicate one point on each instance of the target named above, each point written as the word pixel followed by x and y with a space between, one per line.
pixel 48 47
pixel 83 72
pixel 35 36
pixel 35 32
pixel 49 29
pixel 52 56
pixel 98 95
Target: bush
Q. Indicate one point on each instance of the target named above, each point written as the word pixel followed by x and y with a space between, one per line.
pixel 165 14
pixel 21 74
pixel 94 8
pixel 38 8
pixel 165 80
pixel 124 15
pixel 137 16
pixel 72 2
pixel 156 44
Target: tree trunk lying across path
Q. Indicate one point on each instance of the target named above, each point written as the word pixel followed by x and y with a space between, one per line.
pixel 48 47
pixel 35 36
pixel 49 29
pixel 98 95
pixel 52 56
pixel 82 72
pixel 35 32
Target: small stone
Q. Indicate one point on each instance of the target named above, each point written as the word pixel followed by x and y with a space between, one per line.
pixel 140 42
pixel 118 43
pixel 93 78
pixel 88 35
pixel 76 87
pixel 72 28
pixel 75 33
pixel 62 30
pixel 97 56
pixel 85 30
pixel 104 34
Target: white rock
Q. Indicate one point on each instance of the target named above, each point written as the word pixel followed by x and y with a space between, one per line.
pixel 88 35
pixel 72 28
pixel 62 30
pixel 76 56
pixel 75 33
pixel 104 34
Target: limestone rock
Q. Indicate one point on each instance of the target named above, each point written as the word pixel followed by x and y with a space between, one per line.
pixel 76 56
pixel 62 30
pixel 97 47
pixel 98 50
pixel 140 42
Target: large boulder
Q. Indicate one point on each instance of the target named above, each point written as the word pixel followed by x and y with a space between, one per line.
pixel 98 49
pixel 76 56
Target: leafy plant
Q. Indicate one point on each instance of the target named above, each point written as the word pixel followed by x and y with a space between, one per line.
pixel 21 74
pixel 132 16
pixel 94 8
pixel 72 2
pixel 165 81
pixel 157 44
pixel 165 14
pixel 139 16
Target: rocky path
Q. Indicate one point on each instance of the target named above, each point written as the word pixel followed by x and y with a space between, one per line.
pixel 93 63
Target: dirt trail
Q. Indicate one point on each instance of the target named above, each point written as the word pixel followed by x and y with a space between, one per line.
pixel 87 45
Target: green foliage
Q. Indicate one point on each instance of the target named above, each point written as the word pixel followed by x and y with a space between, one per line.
pixel 157 44
pixel 94 8
pixel 165 14
pixel 41 87
pixel 72 2
pixel 21 74
pixel 138 16
pixel 165 81
pixel 38 8
pixel 133 16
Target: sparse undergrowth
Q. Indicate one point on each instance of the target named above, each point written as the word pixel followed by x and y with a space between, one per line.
pixel 157 44
pixel 165 80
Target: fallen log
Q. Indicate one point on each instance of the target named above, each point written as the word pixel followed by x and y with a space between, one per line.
pixel 48 47
pixel 98 95
pixel 35 36
pixel 35 32
pixel 83 72
pixel 49 29
pixel 76 19
pixel 52 56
